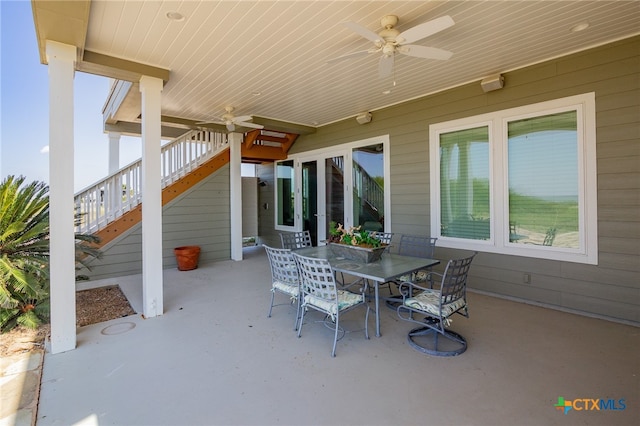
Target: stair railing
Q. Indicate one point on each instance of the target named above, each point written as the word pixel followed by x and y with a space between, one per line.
pixel 120 192
pixel 365 187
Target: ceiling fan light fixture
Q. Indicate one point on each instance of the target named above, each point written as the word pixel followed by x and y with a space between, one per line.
pixel 390 41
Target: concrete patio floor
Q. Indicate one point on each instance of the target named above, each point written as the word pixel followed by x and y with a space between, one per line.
pixel 214 358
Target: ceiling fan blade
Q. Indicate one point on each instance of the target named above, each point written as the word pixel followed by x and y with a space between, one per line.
pixel 242 118
pixel 425 29
pixel 209 122
pixel 351 55
pixel 425 52
pixel 252 125
pixel 364 32
pixel 385 66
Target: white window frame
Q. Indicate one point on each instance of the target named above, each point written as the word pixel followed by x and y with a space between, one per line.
pixel 587 252
pixel 276 206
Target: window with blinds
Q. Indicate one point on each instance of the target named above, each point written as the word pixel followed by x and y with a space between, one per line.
pixel 520 181
pixel 464 184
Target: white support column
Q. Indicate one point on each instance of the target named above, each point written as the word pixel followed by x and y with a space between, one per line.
pixel 115 186
pixel 61 58
pixel 114 152
pixel 235 183
pixel 152 297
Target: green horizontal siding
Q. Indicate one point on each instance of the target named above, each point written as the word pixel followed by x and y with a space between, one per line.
pixel 611 288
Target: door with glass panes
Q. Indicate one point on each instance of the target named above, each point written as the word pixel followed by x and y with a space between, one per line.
pixel 322 195
pixel 344 186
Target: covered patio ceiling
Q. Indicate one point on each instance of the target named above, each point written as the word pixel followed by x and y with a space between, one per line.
pixel 268 58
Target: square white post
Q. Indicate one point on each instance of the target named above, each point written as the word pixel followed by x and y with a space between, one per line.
pixel 61 58
pixel 114 152
pixel 152 297
pixel 235 183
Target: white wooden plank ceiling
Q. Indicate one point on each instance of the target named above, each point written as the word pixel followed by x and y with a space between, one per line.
pixel 226 52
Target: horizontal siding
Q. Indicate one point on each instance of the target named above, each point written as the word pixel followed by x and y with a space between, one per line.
pixel 198 217
pixel 611 288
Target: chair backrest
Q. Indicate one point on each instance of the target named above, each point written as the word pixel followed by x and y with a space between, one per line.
pixel 295 240
pixel 454 279
pixel 384 237
pixel 283 265
pixel 417 246
pixel 549 237
pixel 317 278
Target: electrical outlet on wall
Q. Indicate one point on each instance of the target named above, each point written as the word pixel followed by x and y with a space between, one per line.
pixel 526 278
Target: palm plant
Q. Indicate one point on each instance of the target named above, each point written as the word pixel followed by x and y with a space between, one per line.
pixel 24 253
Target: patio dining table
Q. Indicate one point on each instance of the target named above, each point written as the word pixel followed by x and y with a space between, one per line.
pixel 387 268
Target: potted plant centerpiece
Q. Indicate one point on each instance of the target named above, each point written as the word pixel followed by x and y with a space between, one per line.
pixel 354 243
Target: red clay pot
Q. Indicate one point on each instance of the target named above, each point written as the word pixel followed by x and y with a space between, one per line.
pixel 187 257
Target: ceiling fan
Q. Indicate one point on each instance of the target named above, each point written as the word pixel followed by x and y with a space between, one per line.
pixel 390 41
pixel 231 121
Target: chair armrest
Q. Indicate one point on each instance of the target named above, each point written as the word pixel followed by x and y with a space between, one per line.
pixel 407 289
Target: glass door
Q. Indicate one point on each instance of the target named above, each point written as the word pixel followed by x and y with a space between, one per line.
pixel 322 195
pixel 347 186
pixel 335 190
pixel 310 199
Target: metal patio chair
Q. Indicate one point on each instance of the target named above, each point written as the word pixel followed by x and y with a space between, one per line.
pixel 284 278
pixel 295 240
pixel 432 309
pixel 415 246
pixel 320 292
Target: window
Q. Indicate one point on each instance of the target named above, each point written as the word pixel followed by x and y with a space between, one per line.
pixel 520 181
pixel 368 187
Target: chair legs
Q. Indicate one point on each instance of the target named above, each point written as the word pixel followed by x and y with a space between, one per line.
pixel 431 341
pixel 337 328
pixel 295 321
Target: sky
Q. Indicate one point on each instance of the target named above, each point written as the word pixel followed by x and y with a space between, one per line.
pixel 24 108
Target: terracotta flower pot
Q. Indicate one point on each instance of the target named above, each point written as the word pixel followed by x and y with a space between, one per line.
pixel 187 257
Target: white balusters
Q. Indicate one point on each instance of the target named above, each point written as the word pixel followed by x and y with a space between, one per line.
pixel 120 192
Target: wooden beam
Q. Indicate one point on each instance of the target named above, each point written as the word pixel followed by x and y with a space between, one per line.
pixel 283 126
pixel 263 153
pixel 249 139
pixel 120 69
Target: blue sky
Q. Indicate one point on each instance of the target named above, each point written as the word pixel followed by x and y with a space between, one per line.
pixel 24 108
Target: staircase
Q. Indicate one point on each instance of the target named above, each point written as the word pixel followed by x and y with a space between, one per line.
pixel 113 206
pixel 367 192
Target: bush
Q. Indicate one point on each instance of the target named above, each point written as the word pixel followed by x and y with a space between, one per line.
pixel 24 253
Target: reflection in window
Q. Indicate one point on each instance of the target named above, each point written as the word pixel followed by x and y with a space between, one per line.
pixel 334 191
pixel 368 187
pixel 285 195
pixel 464 184
pixel 543 180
